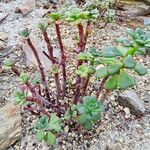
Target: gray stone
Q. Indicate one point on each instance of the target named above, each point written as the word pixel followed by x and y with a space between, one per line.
pixel 115 146
pixel 131 100
pixel 10 125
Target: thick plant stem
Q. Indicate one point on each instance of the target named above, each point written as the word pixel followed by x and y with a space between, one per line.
pixel 78 78
pixel 106 94
pixel 86 85
pixel 63 57
pixel 101 87
pixel 83 40
pixel 54 62
pixel 40 67
pixel 38 99
pixel 87 32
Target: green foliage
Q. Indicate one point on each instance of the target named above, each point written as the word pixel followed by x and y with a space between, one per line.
pixel 42 123
pixel 109 15
pixel 111 52
pixel 111 83
pixel 101 72
pixel 113 69
pixel 8 63
pixel 129 62
pixel 55 69
pixel 106 4
pixel 89 111
pixel 55 123
pixel 137 42
pixel 50 138
pixel 55 16
pixel 84 71
pixel 24 33
pixel 71 112
pixel 140 69
pixel 85 56
pixel 36 80
pixel 43 26
pixel 125 80
pixel 47 128
pixel 24 78
pixel 20 97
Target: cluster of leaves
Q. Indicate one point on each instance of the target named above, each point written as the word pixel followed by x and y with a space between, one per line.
pixel 89 111
pixel 138 41
pixel 48 128
pixel 109 15
pixel 20 97
pixel 117 61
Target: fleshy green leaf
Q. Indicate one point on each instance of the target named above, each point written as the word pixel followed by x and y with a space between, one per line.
pixel 132 50
pixel 42 123
pixel 140 69
pixel 88 125
pixel 23 78
pixel 67 115
pixel 24 33
pixel 20 97
pixel 124 41
pixel 8 63
pixel 55 16
pixel 111 52
pixel 85 56
pixel 84 71
pixel 50 138
pixel 55 123
pixel 125 80
pixel 43 26
pixel 101 72
pixel 80 108
pixel 40 135
pixel 123 51
pixel 111 84
pixel 96 117
pixel 113 69
pixel 83 119
pixel 129 62
pixel 110 61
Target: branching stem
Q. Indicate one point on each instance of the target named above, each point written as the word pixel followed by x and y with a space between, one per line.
pixel 63 57
pixel 101 87
pixel 40 67
pixel 54 62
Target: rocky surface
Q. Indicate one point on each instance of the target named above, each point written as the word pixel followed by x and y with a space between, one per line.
pixel 10 125
pixel 130 99
pixel 118 128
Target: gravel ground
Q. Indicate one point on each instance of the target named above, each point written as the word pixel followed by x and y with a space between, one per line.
pixel 132 133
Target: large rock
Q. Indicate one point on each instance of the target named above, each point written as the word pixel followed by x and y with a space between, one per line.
pixel 134 8
pixel 131 100
pixel 10 125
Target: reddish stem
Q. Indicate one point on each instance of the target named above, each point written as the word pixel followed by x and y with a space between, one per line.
pixel 101 87
pixel 82 44
pixel 86 85
pixel 63 57
pixel 78 78
pixel 50 51
pixel 40 67
pixel 36 111
pixel 88 31
pixel 40 100
pixel 106 94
